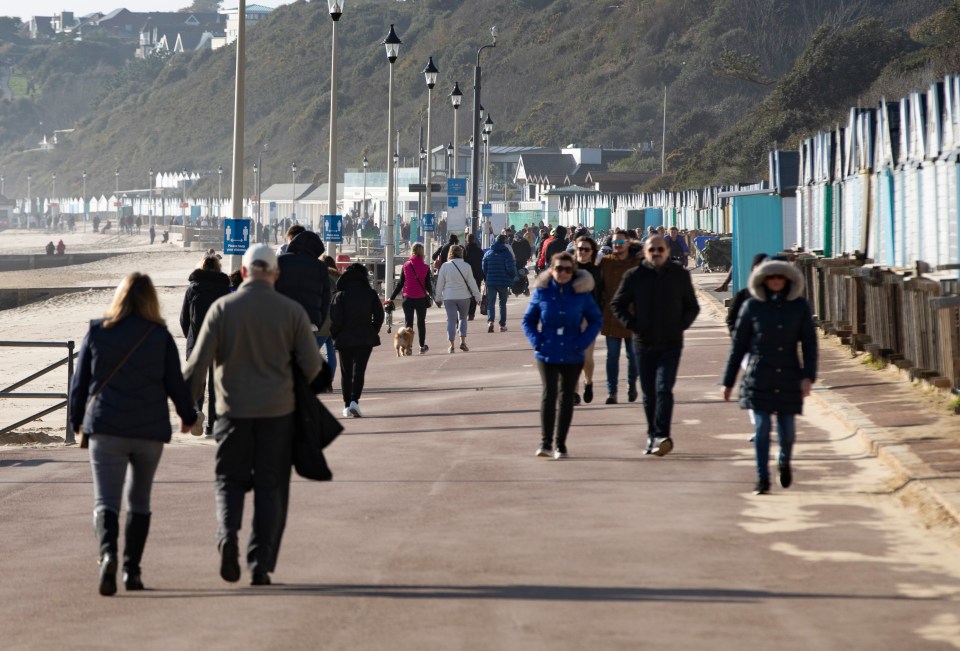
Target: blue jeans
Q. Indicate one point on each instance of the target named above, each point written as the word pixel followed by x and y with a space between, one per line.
pixel 493 293
pixel 613 362
pixel 786 432
pixel 326 345
pixel 658 374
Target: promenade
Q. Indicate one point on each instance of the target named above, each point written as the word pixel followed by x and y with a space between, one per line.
pixel 441 530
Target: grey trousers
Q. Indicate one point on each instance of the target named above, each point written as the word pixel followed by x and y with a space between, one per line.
pixel 254 454
pixel 110 458
pixel 457 309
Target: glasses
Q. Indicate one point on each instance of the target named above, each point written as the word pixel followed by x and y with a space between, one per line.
pixel 562 268
pixel 620 242
pixel 656 248
pixel 585 248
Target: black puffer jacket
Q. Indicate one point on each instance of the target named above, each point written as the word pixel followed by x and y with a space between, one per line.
pixel 769 327
pixel 473 255
pixel 304 278
pixel 656 304
pixel 205 287
pixel 521 250
pixel 356 313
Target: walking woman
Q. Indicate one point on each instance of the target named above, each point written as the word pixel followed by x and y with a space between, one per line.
pixel 127 367
pixel 456 286
pixel 586 251
pixel 356 316
pixel 414 282
pixel 561 322
pixel 473 256
pixel 770 326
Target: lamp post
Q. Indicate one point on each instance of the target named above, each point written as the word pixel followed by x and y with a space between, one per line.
pixel 392 44
pixel 293 198
pixel 475 163
pixel 2 180
pixel 449 159
pixel 487 135
pixel 83 174
pixel 420 168
pixel 29 201
pixel 54 197
pixel 116 181
pixel 219 189
pixel 456 97
pixel 183 198
pixel 430 73
pixel 256 187
pixel 336 8
pixel 365 164
pixel 150 186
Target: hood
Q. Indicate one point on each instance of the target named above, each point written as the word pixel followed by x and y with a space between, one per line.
pixel 211 277
pixel 794 278
pixel 582 282
pixel 498 247
pixel 307 243
pixel 352 276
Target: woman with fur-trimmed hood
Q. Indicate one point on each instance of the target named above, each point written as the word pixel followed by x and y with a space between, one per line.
pixel 770 326
pixel 561 322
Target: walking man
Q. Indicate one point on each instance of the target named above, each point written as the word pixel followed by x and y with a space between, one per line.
pixel 612 269
pixel 255 334
pixel 657 302
pixel 499 272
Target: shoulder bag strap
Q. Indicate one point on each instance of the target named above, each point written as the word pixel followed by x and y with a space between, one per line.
pixel 461 274
pixel 122 362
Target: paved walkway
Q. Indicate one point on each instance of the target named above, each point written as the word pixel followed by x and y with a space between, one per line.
pixel 442 530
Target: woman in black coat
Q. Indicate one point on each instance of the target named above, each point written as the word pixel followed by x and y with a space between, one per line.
pixel 769 327
pixel 473 255
pixel 356 316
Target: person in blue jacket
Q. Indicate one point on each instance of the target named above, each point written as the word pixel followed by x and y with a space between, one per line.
pixel 770 327
pixel 499 273
pixel 127 367
pixel 561 322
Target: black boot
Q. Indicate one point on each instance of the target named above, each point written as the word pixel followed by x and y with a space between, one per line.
pixel 135 537
pixel 107 527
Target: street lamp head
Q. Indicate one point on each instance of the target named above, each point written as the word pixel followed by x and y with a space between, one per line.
pixel 456 95
pixel 293 168
pixel 392 42
pixel 430 74
pixel 480 112
pixel 484 136
pixel 493 33
pixel 336 8
pixel 396 158
pixel 220 170
pixel 117 172
pixel 488 125
pixel 450 149
pixel 423 154
pixel 365 162
pixel 255 168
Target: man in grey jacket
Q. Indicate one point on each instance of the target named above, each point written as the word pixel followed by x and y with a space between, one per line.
pixel 252 337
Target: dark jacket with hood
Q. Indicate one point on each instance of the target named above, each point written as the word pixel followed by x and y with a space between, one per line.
pixel 473 255
pixel 304 278
pixel 499 267
pixel 205 287
pixel 553 322
pixel 356 313
pixel 656 304
pixel 769 327
pixel 521 250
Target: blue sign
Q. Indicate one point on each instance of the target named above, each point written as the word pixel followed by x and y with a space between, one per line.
pixel 457 187
pixel 333 228
pixel 452 202
pixel 428 225
pixel 236 236
pixel 486 209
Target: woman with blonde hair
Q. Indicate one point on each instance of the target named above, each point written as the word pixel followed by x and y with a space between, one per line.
pixel 455 287
pixel 127 367
pixel 414 282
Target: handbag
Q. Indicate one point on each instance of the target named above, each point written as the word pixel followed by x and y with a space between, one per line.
pixel 314 429
pixel 483 300
pixel 84 441
pixel 473 301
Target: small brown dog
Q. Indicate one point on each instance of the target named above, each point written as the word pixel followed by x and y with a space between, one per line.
pixel 403 341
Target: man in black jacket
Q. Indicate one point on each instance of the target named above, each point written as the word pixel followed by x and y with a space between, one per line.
pixel 207 284
pixel 304 278
pixel 657 302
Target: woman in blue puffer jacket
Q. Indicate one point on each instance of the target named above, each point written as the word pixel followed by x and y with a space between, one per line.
pixel 561 322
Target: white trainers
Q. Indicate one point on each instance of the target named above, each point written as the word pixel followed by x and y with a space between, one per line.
pixel 558 454
pixel 354 409
pixel 544 451
pixel 347 413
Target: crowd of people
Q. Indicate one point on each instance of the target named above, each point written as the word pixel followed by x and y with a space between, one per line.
pixel 291 309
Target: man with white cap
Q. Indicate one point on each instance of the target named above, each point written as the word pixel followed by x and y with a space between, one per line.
pixel 252 337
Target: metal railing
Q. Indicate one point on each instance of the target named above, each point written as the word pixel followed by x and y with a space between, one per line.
pixel 8 392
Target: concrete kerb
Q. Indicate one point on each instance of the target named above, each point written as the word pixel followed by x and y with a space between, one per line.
pixel 917 484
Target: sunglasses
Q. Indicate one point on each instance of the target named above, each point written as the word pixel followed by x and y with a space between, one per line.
pixel 656 248
pixel 619 242
pixel 563 269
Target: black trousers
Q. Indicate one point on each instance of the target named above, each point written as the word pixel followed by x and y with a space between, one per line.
pixel 419 307
pixel 212 392
pixel 558 379
pixel 254 453
pixel 353 369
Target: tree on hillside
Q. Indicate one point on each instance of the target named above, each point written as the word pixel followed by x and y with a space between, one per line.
pixel 9 26
pixel 203 7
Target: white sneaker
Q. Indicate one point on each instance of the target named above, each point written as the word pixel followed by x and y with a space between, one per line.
pixel 347 413
pixel 354 409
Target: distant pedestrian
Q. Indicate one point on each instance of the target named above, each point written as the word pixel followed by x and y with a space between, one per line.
pixel 153 233
pixel 50 248
pixel 473 256
pixel 586 255
pixel 356 316
pixel 253 337
pixel 414 282
pixel 770 326
pixel 327 346
pixel 612 268
pixel 207 284
pixel 304 278
pixel 127 367
pixel 561 322
pixel 657 302
pixel 455 287
pixel 499 274
pixel 61 247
